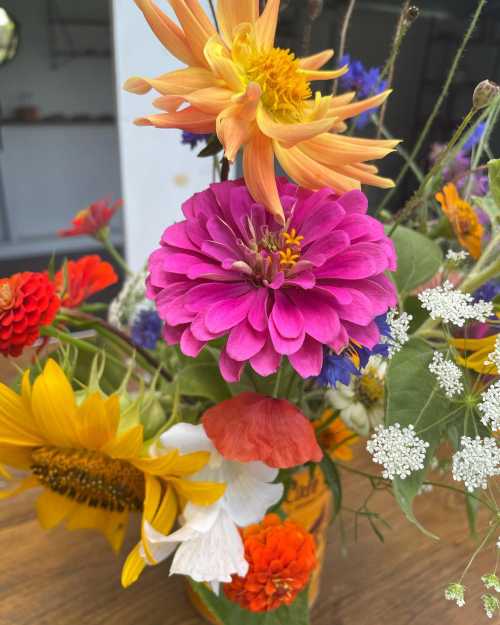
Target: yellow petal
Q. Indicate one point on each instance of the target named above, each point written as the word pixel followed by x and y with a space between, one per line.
pixel 98 420
pixel 111 524
pixel 222 65
pixel 311 74
pixel 17 425
pixel 190 463
pixel 133 567
pixel 162 465
pixel 265 27
pixel 167 31
pixel 332 149
pixel 20 487
pixel 290 134
pixel 353 171
pixel 163 520
pixel 188 119
pixel 351 110
pixel 212 100
pixel 199 493
pixel 258 170
pixel 52 509
pixel 15 456
pixel 152 498
pixel 316 61
pixel 126 446
pixel 197 31
pixel 54 407
pixel 231 13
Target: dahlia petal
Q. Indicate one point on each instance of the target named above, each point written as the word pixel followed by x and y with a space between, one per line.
pixel 265 25
pixel 178 82
pixel 282 344
pixel 360 106
pixel 287 317
pixel 196 26
pixel 316 61
pixel 222 65
pixel 231 14
pixel 190 346
pixel 226 314
pixel 230 369
pixel 189 119
pixel 211 100
pixel 291 134
pixel 364 176
pixel 321 320
pixel 244 342
pixel 368 335
pixel 308 360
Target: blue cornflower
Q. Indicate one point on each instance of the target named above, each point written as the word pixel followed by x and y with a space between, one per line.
pixel 146 329
pixel 366 83
pixel 488 291
pixel 192 139
pixel 474 138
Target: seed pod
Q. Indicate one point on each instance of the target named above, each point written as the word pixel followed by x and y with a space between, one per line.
pixel 484 94
pixel 411 14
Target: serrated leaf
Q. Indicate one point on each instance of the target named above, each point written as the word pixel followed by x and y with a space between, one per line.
pixel 419 259
pixel 229 613
pixel 332 478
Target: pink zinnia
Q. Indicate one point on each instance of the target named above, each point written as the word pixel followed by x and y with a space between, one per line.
pixel 230 269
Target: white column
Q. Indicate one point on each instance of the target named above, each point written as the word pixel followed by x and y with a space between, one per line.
pixel 158 172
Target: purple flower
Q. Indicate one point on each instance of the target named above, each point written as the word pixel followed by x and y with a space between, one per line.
pixel 488 292
pixel 229 269
pixel 366 83
pixel 146 329
pixel 192 139
pixel 474 138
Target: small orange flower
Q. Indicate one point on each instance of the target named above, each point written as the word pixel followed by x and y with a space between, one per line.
pixel 337 438
pixel 85 276
pixel 281 557
pixel 464 220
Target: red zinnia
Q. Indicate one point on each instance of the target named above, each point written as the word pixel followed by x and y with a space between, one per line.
pixel 85 276
pixel 27 302
pixel 254 427
pixel 92 220
pixel 281 558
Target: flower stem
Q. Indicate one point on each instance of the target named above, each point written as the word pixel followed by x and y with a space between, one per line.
pixel 439 102
pixel 479 549
pixel 400 150
pixel 224 170
pixel 343 36
pixel 114 253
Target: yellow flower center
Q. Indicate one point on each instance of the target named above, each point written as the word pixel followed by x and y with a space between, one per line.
pixel 369 388
pixel 90 477
pixel 82 215
pixel 6 296
pixel 284 88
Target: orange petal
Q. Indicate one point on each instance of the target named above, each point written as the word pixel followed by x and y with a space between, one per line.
pixel 179 82
pixel 212 100
pixel 311 74
pixel 167 31
pixel 265 26
pixel 332 149
pixel 351 110
pixel 221 64
pixel 188 119
pixel 316 61
pixel 365 177
pixel 236 123
pixel 169 103
pixel 290 134
pixel 231 13
pixel 258 170
pixel 197 31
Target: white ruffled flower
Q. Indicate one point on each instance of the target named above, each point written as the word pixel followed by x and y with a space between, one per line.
pixel 399 450
pixel 399 326
pixel 448 375
pixel 455 592
pixel 208 546
pixel 477 460
pixel 456 257
pixel 361 402
pixel 444 302
pixel 494 357
pixel 490 407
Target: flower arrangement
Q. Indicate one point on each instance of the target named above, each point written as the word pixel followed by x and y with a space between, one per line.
pixel 282 321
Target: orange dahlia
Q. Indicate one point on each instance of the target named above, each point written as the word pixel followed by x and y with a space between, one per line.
pixel 281 557
pixel 82 278
pixel 28 301
pixel 463 219
pixel 259 98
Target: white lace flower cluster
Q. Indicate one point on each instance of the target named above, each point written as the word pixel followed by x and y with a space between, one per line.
pixel 477 460
pixel 399 450
pixel 444 302
pixel 455 592
pixel 494 357
pixel 399 326
pixel 448 375
pixel 490 407
pixel 491 605
pixel 456 257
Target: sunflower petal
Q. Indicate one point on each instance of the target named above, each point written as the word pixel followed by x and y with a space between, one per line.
pixel 15 456
pixel 265 26
pixel 111 524
pixel 17 426
pixel 163 521
pixel 126 446
pixel 52 509
pixel 199 493
pixel 98 420
pixel 133 567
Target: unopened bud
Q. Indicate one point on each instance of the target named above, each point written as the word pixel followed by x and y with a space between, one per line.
pixel 411 14
pixel 314 9
pixel 484 94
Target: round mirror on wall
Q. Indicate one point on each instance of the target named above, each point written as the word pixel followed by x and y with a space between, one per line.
pixel 9 36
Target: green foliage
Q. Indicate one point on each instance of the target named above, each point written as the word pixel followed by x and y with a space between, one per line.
pixel 230 613
pixel 332 478
pixel 494 179
pixel 413 397
pixel 419 259
pixel 213 147
pixel 203 380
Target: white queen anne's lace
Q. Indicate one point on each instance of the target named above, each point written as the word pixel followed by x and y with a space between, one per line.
pixel 399 326
pixel 455 592
pixel 399 450
pixel 490 407
pixel 448 375
pixel 477 460
pixel 456 257
pixel 494 357
pixel 444 302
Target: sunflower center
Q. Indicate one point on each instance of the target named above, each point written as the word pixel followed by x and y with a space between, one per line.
pixel 6 296
pixel 369 389
pixel 284 88
pixel 90 477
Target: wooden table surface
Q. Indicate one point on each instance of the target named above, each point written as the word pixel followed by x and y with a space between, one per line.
pixel 73 578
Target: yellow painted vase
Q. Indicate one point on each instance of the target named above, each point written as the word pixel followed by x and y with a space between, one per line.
pixel 309 504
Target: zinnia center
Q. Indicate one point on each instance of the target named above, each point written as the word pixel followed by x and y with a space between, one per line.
pixel 284 88
pixel 90 477
pixel 6 296
pixel 369 389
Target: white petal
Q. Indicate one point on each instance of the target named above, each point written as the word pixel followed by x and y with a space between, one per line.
pixel 186 438
pixel 213 556
pixel 157 543
pixel 197 519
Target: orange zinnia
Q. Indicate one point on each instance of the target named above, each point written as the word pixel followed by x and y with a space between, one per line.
pixel 258 97
pixel 82 278
pixel 281 557
pixel 463 219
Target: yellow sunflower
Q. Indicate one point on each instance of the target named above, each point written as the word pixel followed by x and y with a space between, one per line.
pixel 475 354
pixel 93 475
pixel 336 437
pixel 259 98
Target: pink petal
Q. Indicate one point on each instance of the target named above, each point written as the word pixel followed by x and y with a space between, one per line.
pixel 368 335
pixel 287 317
pixel 304 280
pixel 321 320
pixel 229 368
pixel 308 360
pixel 353 202
pixel 190 346
pixel 176 236
pixel 244 342
pixel 228 313
pixel 172 335
pixel 257 315
pixel 267 361
pixel 283 345
pixel 202 296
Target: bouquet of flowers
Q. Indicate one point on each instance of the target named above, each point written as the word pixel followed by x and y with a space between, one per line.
pixel 283 319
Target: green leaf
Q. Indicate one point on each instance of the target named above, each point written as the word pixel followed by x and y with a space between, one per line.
pixel 203 380
pixel 229 613
pixel 413 398
pixel 332 478
pixel 213 147
pixel 494 179
pixel 490 207
pixel 419 259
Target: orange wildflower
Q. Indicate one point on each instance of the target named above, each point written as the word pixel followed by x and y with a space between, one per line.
pixel 336 438
pixel 281 557
pixel 463 219
pixel 85 276
pixel 259 98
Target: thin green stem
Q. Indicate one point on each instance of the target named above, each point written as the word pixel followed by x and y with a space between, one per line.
pixel 343 36
pixel 400 150
pixel 439 102
pixel 114 253
pixel 277 383
pixel 479 549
